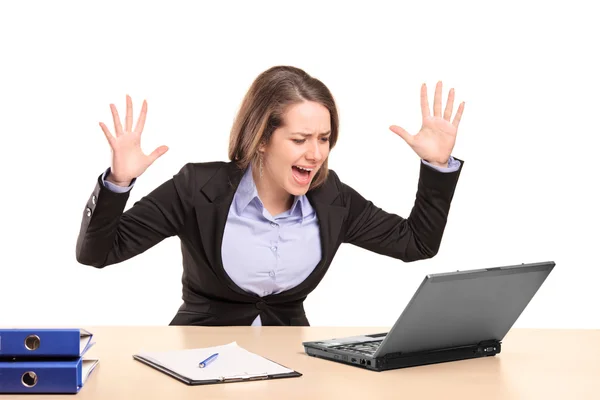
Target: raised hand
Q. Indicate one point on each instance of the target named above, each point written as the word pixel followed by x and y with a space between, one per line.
pixel 435 141
pixel 128 159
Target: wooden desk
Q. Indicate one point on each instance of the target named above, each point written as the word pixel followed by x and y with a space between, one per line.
pixel 533 364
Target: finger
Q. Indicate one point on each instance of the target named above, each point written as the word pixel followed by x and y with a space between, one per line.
pixel 107 133
pixel 437 100
pixel 129 115
pixel 424 101
pixel 459 114
pixel 159 151
pixel 139 126
pixel 449 105
pixel 408 138
pixel 116 120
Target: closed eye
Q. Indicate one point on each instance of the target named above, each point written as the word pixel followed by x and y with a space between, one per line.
pixel 300 141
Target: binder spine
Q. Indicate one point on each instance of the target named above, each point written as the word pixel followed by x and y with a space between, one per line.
pixel 39 343
pixel 39 376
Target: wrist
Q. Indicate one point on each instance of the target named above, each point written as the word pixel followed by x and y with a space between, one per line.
pixel 438 164
pixel 111 178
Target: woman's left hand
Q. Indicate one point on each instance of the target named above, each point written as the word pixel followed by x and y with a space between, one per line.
pixel 435 141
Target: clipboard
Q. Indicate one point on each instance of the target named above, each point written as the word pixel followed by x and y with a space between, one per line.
pixel 234 364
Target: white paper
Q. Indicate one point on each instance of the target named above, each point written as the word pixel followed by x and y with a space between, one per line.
pixel 84 338
pixel 233 361
pixel 87 366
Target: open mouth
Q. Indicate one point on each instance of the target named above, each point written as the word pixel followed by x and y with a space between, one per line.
pixel 302 174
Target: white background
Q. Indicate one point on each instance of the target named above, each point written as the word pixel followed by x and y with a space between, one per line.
pixel 528 72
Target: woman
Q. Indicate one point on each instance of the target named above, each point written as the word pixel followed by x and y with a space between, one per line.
pixel 259 232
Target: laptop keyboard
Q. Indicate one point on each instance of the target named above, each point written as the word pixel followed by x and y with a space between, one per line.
pixel 366 348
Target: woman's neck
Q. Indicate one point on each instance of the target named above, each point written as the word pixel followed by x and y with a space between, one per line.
pixel 275 199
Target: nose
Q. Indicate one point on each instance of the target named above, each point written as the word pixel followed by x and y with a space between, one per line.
pixel 315 153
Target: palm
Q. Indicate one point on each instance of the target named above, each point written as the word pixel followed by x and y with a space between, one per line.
pixel 128 159
pixel 435 140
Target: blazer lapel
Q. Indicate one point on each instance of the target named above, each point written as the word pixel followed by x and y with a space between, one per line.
pixel 331 217
pixel 211 215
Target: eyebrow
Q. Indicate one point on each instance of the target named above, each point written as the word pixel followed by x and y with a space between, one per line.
pixel 310 134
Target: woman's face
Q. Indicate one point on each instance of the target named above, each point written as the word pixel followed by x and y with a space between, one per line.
pixel 298 148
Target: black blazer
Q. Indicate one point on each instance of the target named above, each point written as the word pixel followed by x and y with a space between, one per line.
pixel 194 205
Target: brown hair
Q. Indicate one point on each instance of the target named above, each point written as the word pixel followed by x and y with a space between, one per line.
pixel 262 109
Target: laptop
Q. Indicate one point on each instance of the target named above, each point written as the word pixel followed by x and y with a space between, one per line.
pixel 452 316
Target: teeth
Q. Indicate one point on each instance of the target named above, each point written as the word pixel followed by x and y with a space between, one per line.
pixel 304 169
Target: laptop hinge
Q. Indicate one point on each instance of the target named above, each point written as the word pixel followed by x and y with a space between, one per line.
pixel 486 345
pixel 491 342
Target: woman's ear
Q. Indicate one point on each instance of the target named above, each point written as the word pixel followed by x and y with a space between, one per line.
pixel 262 147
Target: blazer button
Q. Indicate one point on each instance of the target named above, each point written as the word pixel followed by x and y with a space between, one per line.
pixel 88 212
pixel 261 305
pixel 93 199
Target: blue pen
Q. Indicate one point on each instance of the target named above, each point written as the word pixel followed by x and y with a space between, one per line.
pixel 208 360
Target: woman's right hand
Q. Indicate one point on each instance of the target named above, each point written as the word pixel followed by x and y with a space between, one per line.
pixel 128 159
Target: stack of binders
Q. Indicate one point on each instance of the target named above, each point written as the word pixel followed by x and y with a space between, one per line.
pixel 44 360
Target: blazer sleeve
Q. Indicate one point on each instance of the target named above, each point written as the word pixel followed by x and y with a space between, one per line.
pixel 409 239
pixel 108 235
